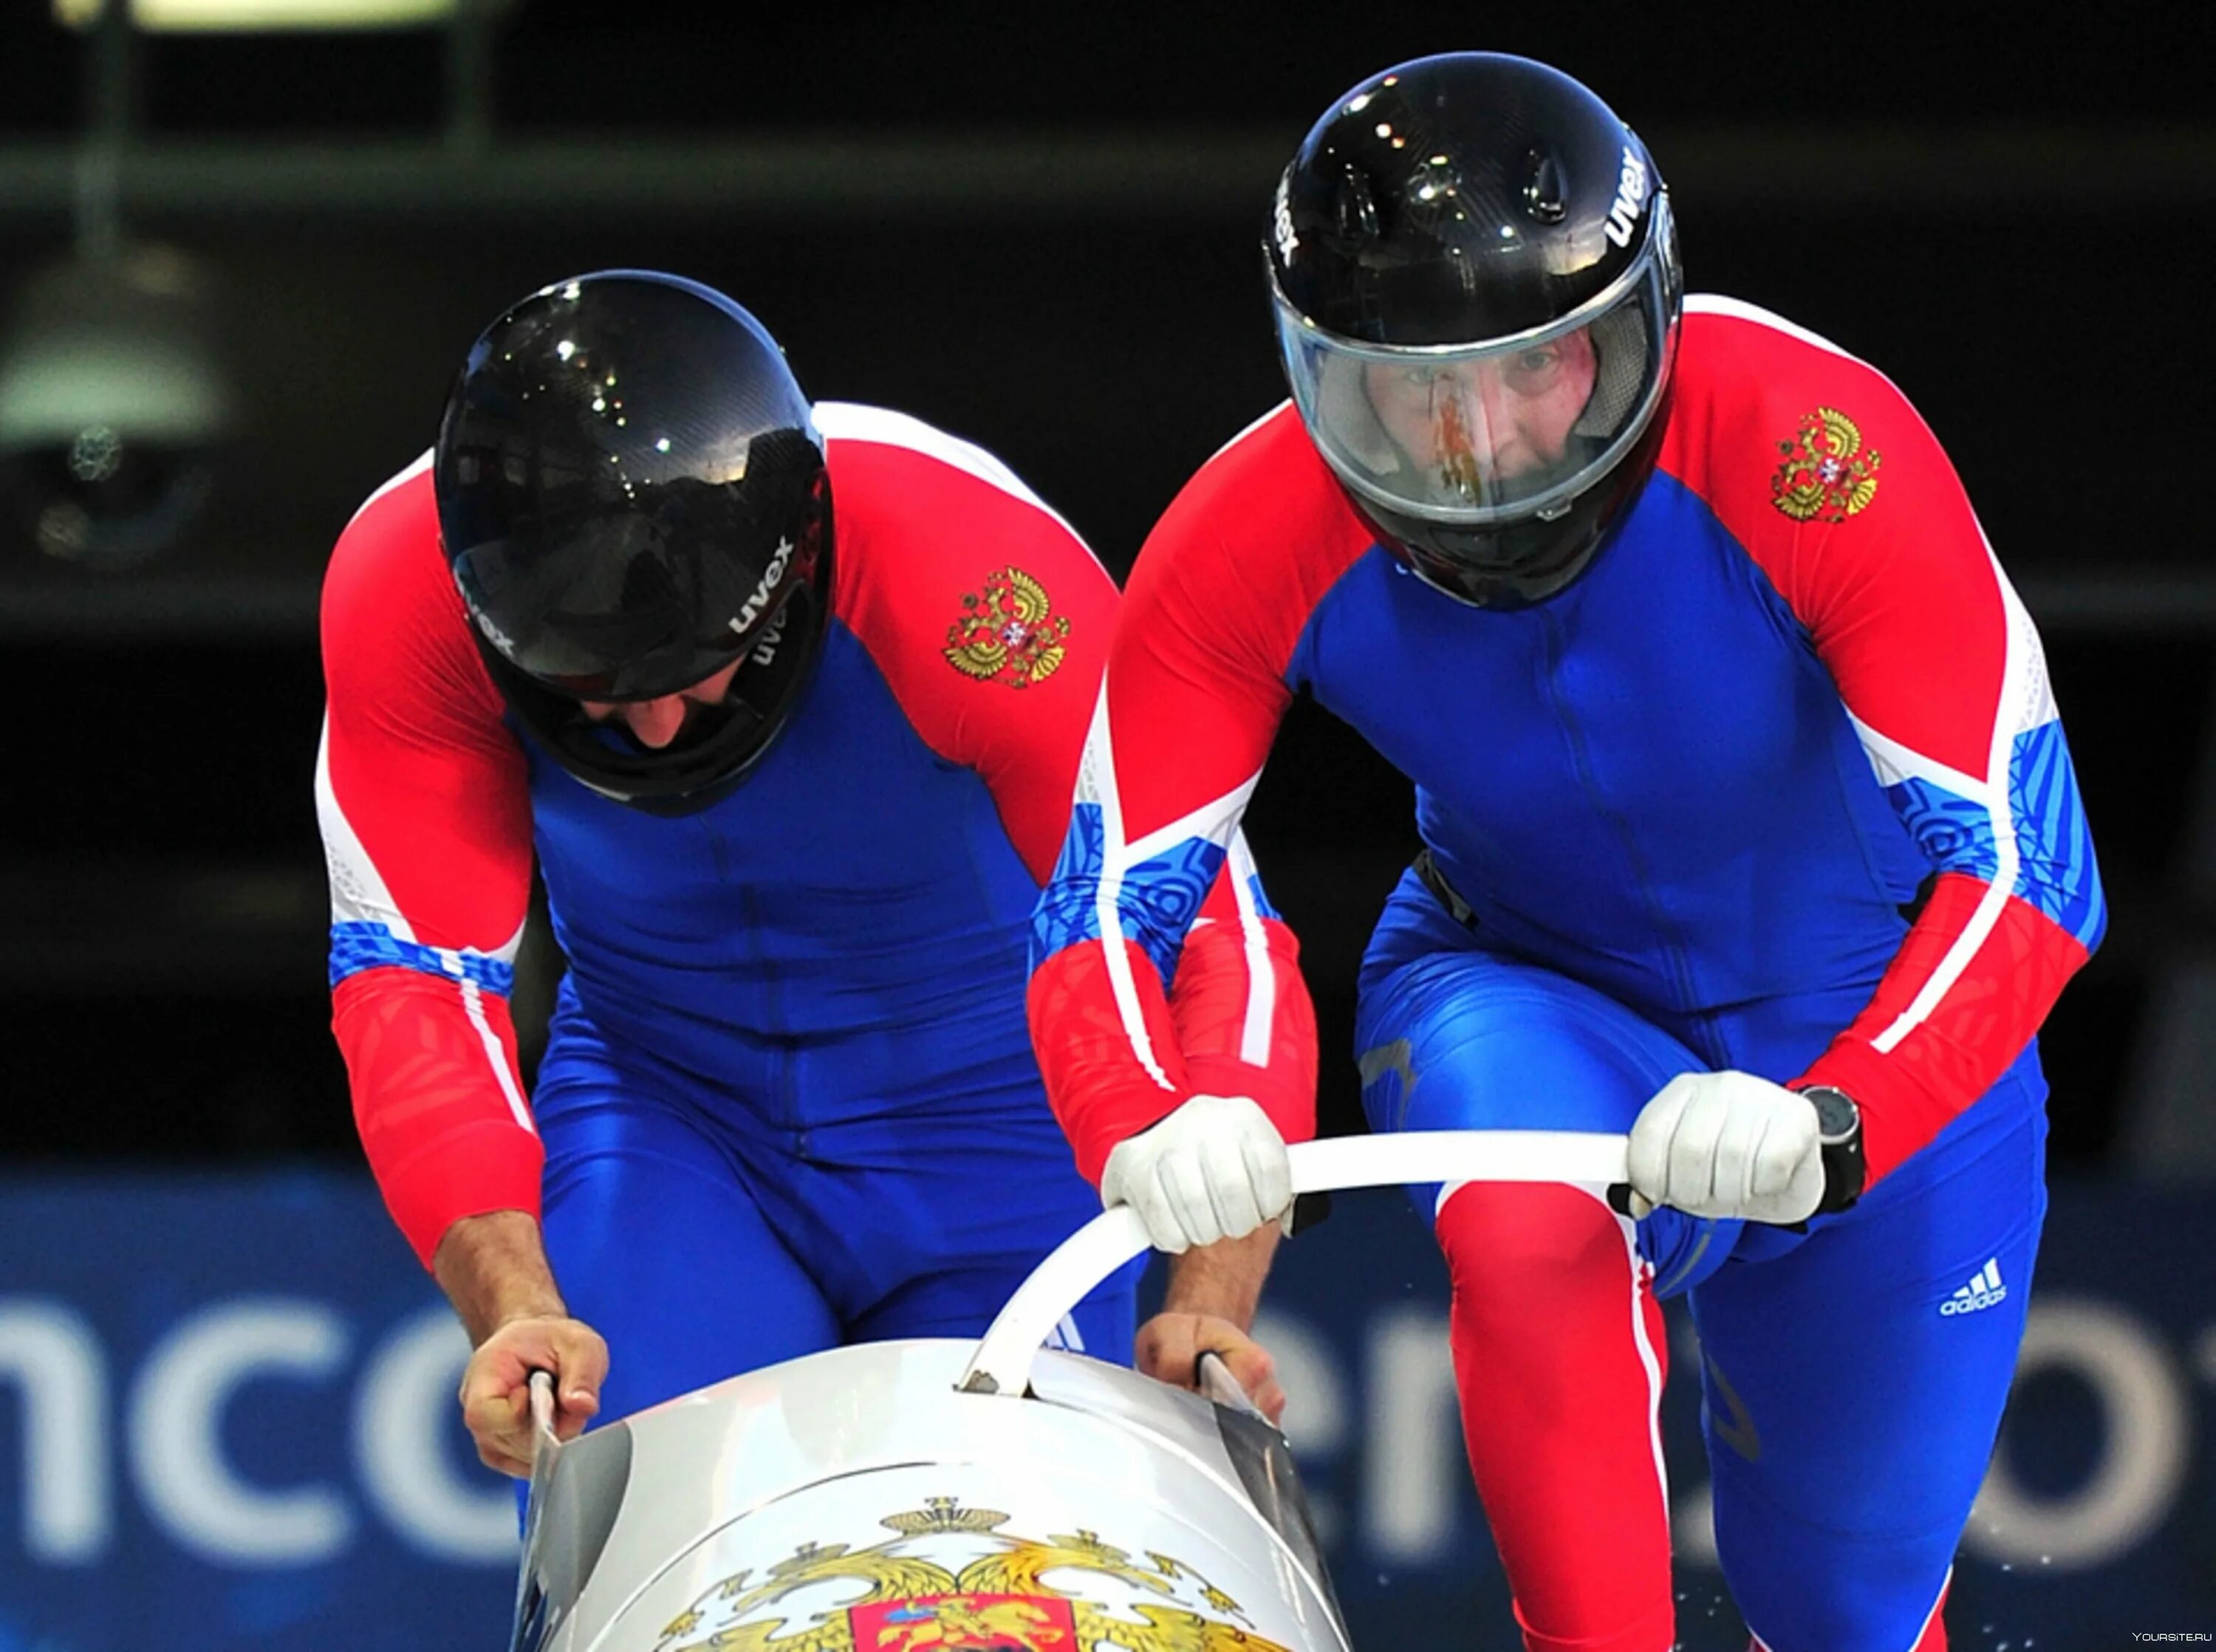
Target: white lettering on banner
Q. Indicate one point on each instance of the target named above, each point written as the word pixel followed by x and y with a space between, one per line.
pixel 175 1431
pixel 2147 1435
pixel 1414 1465
pixel 415 1377
pixel 51 1355
pixel 405 1432
pixel 1413 1495
pixel 1383 1407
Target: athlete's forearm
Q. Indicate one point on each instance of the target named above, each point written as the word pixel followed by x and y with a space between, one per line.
pixel 1913 1065
pixel 1224 1279
pixel 493 1268
pixel 437 1100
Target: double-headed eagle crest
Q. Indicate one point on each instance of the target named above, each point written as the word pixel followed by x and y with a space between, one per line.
pixel 1824 475
pixel 997 1602
pixel 1008 632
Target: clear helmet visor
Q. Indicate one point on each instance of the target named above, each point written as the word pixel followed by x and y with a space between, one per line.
pixel 1492 432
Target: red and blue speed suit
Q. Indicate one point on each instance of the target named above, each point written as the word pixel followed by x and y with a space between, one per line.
pixel 1776 786
pixel 788 1097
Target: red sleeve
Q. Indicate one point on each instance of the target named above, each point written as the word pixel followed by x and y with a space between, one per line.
pixel 1240 1006
pixel 990 619
pixel 426 815
pixel 1861 524
pixel 986 613
pixel 1194 688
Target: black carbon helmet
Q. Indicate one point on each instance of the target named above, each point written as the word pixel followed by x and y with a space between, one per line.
pixel 1450 226
pixel 631 496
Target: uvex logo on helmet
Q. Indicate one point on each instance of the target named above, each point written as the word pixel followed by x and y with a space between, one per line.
pixel 1630 198
pixel 494 635
pixel 750 609
pixel 772 634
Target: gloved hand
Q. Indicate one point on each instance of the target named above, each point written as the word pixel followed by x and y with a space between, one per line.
pixel 1214 1169
pixel 1732 1145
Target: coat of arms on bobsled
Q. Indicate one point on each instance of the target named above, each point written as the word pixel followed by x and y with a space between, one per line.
pixel 954 1580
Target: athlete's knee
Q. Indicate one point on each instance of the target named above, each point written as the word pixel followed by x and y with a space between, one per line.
pixel 1804 1589
pixel 1509 1240
pixel 1534 1267
pixel 1821 1622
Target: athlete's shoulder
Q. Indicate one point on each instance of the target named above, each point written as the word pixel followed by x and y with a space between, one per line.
pixel 387 563
pixel 1779 429
pixel 1264 512
pixel 395 526
pixel 1268 486
pixel 1748 381
pixel 1740 360
pixel 930 531
pixel 389 603
pixel 896 472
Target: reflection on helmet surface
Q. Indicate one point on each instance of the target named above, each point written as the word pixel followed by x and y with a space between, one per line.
pixel 634 501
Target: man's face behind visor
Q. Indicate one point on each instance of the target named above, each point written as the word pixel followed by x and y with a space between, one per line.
pixel 656 724
pixel 1469 427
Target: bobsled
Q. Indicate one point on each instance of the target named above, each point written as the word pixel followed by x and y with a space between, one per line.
pixel 949 1495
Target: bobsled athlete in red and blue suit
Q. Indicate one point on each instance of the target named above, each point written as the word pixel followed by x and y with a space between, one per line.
pixel 1749 830
pixel 787 701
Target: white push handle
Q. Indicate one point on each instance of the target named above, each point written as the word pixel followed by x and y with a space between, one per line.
pixel 542 1413
pixel 1002 1363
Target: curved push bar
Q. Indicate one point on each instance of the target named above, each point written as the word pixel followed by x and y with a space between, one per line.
pixel 1002 1363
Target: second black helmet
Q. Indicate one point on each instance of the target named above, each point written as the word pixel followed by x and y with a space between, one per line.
pixel 632 498
pixel 1477 290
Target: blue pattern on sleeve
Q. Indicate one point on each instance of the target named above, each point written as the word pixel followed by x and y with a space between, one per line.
pixel 1068 910
pixel 1261 899
pixel 358 946
pixel 1158 902
pixel 1956 834
pixel 1162 896
pixel 2056 871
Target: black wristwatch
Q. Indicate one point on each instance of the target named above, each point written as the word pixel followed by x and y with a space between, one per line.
pixel 1840 1123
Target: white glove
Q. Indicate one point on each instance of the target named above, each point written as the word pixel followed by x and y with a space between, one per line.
pixel 1214 1169
pixel 1728 1144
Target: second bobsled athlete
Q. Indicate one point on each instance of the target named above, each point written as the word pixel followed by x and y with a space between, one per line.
pixel 787 700
pixel 1749 828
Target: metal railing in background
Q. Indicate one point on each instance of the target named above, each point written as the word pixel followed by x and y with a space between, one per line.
pixel 1987 171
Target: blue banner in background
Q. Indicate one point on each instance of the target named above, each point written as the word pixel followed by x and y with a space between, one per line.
pixel 230 1423
pixel 227 1421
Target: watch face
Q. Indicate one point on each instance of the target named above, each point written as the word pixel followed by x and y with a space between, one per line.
pixel 1837 1115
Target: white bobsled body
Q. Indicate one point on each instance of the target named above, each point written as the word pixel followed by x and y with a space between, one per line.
pixel 958 1497
pixel 854 1501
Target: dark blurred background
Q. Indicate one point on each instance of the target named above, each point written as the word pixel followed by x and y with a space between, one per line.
pixel 1037 227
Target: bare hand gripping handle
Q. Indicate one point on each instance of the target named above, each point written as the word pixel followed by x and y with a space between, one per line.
pixel 1002 1363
